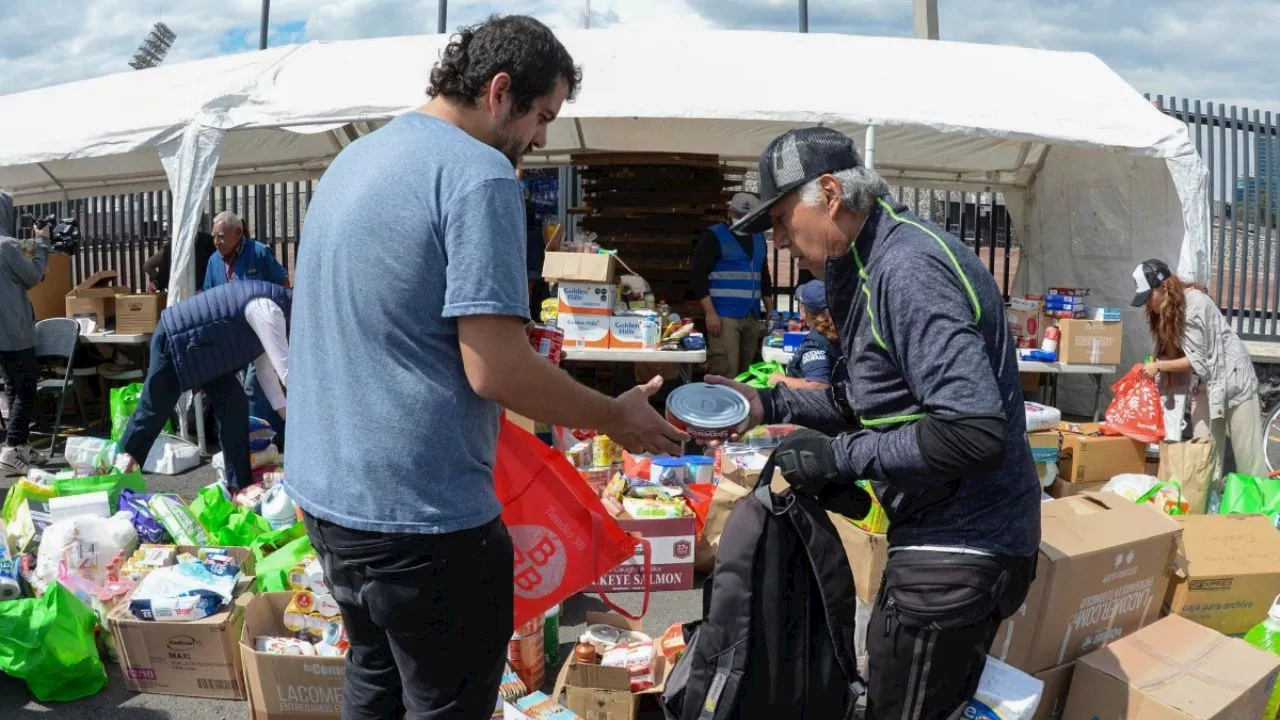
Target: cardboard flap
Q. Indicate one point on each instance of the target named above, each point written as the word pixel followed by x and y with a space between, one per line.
pixel 1081 523
pixel 599 678
pixel 98 279
pixel 1229 544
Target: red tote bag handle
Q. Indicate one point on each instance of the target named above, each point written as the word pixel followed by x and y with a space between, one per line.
pixel 647 551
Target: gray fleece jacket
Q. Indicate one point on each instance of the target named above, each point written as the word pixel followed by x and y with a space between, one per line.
pixel 927 403
pixel 18 273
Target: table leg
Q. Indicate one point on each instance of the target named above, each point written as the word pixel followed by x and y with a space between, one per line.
pixel 686 372
pixel 1097 397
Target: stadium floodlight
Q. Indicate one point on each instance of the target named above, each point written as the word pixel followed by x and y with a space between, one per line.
pixel 154 47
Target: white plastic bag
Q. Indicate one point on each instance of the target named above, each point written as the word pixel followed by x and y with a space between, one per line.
pixel 84 545
pixel 171 455
pixel 90 455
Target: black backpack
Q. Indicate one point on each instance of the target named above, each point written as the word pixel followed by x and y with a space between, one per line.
pixel 779 614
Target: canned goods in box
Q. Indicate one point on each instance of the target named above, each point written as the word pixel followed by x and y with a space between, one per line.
pixel 548 341
pixel 527 653
pixel 708 412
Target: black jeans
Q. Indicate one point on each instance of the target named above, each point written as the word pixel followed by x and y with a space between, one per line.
pixel 21 376
pixel 160 393
pixel 428 616
pixel 932 627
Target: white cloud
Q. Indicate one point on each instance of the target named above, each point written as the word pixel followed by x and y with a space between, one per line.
pixel 1221 51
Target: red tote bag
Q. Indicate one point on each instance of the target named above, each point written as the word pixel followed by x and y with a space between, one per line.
pixel 564 538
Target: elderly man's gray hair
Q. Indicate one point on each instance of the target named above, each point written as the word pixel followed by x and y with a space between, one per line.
pixel 859 189
pixel 230 218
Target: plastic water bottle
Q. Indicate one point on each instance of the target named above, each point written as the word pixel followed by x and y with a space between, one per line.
pixel 1266 636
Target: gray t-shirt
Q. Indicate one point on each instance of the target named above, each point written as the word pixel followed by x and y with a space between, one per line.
pixel 411 227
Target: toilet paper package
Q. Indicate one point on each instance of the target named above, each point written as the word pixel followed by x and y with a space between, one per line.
pixel 1004 693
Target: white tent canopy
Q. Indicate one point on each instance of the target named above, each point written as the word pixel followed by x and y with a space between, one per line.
pixel 1096 178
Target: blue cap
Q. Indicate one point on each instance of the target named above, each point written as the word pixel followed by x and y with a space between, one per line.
pixel 813 295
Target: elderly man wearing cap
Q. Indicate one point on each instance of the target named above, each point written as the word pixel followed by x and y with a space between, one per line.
pixel 731 280
pixel 928 408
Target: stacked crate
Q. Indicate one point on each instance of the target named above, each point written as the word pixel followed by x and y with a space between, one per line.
pixel 650 207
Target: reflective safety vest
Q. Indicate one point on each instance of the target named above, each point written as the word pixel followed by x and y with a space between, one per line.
pixel 735 278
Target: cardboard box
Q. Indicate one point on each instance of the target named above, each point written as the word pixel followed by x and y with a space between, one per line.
pixel 1103 572
pixel 575 298
pixel 1173 670
pixel 286 687
pixel 671 564
pixel 1089 342
pixel 601 693
pixel 584 331
pixel 139 313
pixel 1089 456
pixel 1026 322
pixel 625 332
pixel 1061 488
pixel 1228 571
pixel 868 553
pixel 1053 700
pixel 48 299
pixel 582 267
pixel 193 659
pixel 95 298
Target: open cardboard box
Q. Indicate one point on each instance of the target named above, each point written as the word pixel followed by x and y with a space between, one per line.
pixel 95 298
pixel 604 693
pixel 579 267
pixel 198 658
pixel 286 687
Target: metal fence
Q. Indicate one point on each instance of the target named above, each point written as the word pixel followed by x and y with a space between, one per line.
pixel 1241 148
pixel 119 232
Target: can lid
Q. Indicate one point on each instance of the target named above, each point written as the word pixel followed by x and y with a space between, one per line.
pixel 708 406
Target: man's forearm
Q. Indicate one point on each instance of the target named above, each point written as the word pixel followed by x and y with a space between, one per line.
pixel 926 452
pixel 812 408
pixel 541 391
pixel 708 308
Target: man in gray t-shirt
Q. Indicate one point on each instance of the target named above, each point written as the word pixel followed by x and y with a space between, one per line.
pixel 407 340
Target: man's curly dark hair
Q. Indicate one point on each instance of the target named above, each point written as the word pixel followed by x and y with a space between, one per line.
pixel 517 45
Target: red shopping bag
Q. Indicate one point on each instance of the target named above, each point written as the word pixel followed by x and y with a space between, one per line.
pixel 564 538
pixel 1136 411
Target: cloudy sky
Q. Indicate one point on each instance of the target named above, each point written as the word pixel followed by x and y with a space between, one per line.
pixel 1221 50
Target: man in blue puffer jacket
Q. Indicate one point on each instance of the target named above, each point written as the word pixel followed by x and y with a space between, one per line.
pixel 202 342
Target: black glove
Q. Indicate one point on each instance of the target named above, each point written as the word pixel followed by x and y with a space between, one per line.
pixel 848 500
pixel 806 460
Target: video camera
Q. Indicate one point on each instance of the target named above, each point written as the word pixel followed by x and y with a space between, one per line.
pixel 65 235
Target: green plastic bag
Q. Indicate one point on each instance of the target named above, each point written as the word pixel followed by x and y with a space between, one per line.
pixel 226 522
pixel 270 542
pixel 757 376
pixel 49 643
pixel 1247 495
pixel 124 401
pixel 112 484
pixel 273 570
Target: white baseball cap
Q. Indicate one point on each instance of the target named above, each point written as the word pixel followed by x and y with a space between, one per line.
pixel 743 203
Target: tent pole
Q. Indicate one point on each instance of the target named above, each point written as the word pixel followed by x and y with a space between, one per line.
pixel 869 151
pixel 804 16
pixel 442 8
pixel 266 15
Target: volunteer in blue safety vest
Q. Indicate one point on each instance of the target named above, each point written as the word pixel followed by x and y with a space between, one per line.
pixel 731 280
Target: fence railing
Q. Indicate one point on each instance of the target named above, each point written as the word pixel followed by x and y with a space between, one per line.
pixel 1241 148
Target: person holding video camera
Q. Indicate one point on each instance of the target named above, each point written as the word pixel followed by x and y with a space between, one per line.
pixel 22 266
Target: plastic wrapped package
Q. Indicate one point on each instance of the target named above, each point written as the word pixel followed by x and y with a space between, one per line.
pixel 1145 489
pixel 183 592
pixel 654 508
pixel 1041 417
pixel 134 504
pixel 637 658
pixel 283 646
pixel 260 434
pixel 1004 693
pixel 171 455
pixel 84 545
pixel 267 457
pixel 176 518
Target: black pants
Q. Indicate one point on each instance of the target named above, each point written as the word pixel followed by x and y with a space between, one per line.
pixel 932 628
pixel 428 616
pixel 160 393
pixel 21 376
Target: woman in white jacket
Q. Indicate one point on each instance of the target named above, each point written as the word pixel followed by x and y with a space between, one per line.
pixel 1193 337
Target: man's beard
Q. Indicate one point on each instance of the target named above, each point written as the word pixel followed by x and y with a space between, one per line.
pixel 506 142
